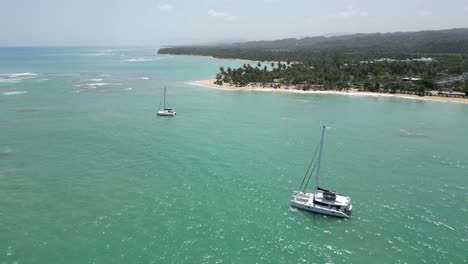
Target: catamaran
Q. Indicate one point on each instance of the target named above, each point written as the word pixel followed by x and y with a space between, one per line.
pixel 321 200
pixel 165 111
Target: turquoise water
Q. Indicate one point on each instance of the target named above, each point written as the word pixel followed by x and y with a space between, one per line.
pixel 88 174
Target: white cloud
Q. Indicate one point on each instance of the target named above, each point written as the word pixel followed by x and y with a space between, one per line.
pixel 166 7
pixel 351 11
pixel 466 8
pixel 215 13
pixel 425 13
pixel 221 14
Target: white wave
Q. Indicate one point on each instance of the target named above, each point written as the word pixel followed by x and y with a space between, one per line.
pixel 95 80
pixel 16 77
pixel 21 74
pixel 97 84
pixel 14 92
pixel 410 134
pixel 102 84
pixel 138 60
pixel 9 80
pixel 128 89
pixel 104 75
pixel 145 78
pixel 99 54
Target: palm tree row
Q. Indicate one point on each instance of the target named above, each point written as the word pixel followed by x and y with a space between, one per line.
pixel 337 73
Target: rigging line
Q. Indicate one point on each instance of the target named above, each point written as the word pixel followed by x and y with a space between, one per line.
pixel 310 165
pixel 319 159
pixel 160 102
pixel 165 93
pixel 310 176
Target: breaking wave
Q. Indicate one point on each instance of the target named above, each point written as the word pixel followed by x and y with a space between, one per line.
pixel 21 74
pixel 138 60
pixel 16 77
pixel 99 54
pixel 14 92
pixel 96 84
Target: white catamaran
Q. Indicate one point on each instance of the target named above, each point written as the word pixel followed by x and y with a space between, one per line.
pixel 321 200
pixel 165 111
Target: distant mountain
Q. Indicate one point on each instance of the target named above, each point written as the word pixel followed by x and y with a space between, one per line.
pixel 337 34
pixel 442 41
pixel 428 42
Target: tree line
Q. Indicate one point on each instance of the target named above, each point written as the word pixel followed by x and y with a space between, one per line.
pixel 335 72
pixel 346 61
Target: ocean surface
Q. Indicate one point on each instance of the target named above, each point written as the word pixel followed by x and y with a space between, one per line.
pixel 89 174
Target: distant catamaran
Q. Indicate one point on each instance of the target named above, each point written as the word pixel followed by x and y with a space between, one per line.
pixel 321 201
pixel 165 111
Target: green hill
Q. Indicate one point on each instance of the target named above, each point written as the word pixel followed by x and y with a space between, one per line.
pixel 452 41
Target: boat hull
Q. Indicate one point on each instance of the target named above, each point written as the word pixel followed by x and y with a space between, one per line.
pixel 306 201
pixel 165 113
pixel 319 210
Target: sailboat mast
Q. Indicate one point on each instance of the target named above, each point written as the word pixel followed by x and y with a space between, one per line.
pixel 164 97
pixel 318 162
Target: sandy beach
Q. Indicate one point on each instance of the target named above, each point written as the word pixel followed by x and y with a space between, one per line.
pixel 210 84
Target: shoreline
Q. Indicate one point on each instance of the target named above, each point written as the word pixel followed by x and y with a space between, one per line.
pixel 227 87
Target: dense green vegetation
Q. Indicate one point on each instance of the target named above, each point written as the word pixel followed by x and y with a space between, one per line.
pixel 454 41
pixel 348 61
pixel 330 72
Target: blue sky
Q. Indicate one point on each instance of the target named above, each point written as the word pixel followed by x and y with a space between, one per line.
pixel 154 22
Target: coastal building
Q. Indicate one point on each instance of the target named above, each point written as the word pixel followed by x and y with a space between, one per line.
pixel 451 80
pixel 411 79
pixel 423 59
pixel 453 94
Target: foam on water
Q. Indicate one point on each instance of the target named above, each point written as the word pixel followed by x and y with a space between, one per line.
pixel 21 74
pixel 10 80
pixel 137 60
pixel 14 92
pixel 411 134
pixel 16 77
pixel 94 85
pixel 98 54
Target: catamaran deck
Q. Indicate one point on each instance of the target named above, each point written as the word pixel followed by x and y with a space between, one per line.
pixel 339 200
pixel 340 208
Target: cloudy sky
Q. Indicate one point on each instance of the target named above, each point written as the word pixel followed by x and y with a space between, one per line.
pixel 155 22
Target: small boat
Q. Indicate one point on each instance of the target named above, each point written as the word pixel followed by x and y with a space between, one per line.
pixel 321 200
pixel 166 111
